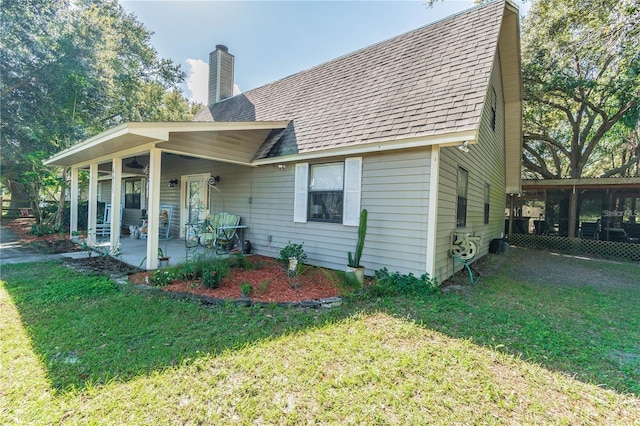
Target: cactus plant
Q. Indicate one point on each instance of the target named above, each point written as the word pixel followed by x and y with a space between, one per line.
pixel 354 259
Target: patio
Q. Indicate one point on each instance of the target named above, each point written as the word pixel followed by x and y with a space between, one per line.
pixel 133 251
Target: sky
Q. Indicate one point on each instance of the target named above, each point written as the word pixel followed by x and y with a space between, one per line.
pixel 274 39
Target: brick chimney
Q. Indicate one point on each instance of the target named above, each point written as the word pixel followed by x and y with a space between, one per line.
pixel 220 74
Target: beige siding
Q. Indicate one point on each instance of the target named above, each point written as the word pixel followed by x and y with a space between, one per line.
pixel 394 188
pixel 485 164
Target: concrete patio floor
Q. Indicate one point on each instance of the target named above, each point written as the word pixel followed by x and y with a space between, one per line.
pixel 134 251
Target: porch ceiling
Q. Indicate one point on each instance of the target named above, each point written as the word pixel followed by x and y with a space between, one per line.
pixel 234 142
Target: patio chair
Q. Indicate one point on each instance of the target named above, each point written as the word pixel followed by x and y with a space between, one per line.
pixel 104 228
pixel 166 212
pixel 222 230
pixel 590 231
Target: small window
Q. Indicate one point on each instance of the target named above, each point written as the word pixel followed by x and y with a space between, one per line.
pixel 326 192
pixel 494 105
pixel 132 192
pixel 463 190
pixel 487 200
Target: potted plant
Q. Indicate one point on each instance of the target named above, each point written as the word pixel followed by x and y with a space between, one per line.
pixel 163 261
pixel 354 266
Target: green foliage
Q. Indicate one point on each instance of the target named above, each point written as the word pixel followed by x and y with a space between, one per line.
pixel 292 250
pixel 214 272
pixel 240 261
pixel 263 285
pixel 396 284
pixel 580 80
pixel 41 229
pixel 354 260
pixel 163 277
pixel 246 288
pixel 73 70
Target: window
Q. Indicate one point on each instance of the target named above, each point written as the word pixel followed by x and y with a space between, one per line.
pixel 494 105
pixel 487 200
pixel 132 191
pixel 463 190
pixel 326 192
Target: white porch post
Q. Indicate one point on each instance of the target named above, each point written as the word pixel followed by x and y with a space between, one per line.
pixel 432 218
pixel 74 192
pixel 153 212
pixel 93 208
pixel 116 202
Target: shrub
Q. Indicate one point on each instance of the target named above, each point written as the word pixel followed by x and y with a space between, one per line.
pixel 246 288
pixel 41 229
pixel 395 284
pixel 161 278
pixel 292 250
pixel 214 272
pixel 263 285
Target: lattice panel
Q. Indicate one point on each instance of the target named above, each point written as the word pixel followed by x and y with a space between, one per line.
pixel 607 249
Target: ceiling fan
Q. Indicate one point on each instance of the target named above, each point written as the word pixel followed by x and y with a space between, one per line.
pixel 134 164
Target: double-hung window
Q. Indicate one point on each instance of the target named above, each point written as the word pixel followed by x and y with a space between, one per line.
pixel 132 193
pixel 463 191
pixel 326 192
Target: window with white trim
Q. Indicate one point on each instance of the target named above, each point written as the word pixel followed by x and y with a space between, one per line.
pixel 463 190
pixel 326 192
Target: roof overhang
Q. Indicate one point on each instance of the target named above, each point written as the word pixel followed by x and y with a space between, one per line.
pixel 233 142
pixel 587 183
pixel 442 140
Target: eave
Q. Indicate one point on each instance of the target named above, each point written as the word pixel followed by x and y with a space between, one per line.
pixel 233 142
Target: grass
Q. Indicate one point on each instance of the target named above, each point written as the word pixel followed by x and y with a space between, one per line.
pixel 81 349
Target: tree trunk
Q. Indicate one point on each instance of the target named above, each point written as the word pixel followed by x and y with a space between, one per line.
pixel 61 201
pixel 573 213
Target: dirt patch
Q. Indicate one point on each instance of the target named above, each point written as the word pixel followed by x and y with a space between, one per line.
pixel 46 244
pixel 104 265
pixel 269 281
pixel 548 267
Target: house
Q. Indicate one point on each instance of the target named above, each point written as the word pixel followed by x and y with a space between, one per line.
pixel 423 130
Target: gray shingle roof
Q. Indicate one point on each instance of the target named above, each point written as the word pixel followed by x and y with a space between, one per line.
pixel 429 81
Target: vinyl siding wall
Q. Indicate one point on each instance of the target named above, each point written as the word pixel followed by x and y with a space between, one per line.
pixel 485 164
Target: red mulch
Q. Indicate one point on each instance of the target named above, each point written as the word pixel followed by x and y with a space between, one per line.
pixel 270 283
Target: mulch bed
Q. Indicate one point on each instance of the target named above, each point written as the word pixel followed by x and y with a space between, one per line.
pixel 269 280
pixel 270 283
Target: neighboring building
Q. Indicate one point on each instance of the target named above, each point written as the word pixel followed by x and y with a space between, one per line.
pixel 378 129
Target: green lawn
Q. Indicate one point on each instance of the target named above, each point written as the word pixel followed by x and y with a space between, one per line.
pixel 80 349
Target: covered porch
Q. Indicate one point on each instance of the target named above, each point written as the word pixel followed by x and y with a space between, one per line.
pixel 148 174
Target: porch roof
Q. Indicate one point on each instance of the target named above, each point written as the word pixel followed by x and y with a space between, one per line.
pixel 232 142
pixel 584 183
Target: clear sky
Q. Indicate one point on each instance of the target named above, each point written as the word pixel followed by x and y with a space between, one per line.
pixel 274 39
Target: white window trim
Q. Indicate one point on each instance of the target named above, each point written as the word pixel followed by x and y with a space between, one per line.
pixel 352 190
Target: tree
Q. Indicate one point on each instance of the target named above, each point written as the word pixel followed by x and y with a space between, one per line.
pixel 70 69
pixel 581 62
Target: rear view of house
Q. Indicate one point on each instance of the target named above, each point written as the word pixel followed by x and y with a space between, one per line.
pixel 423 130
